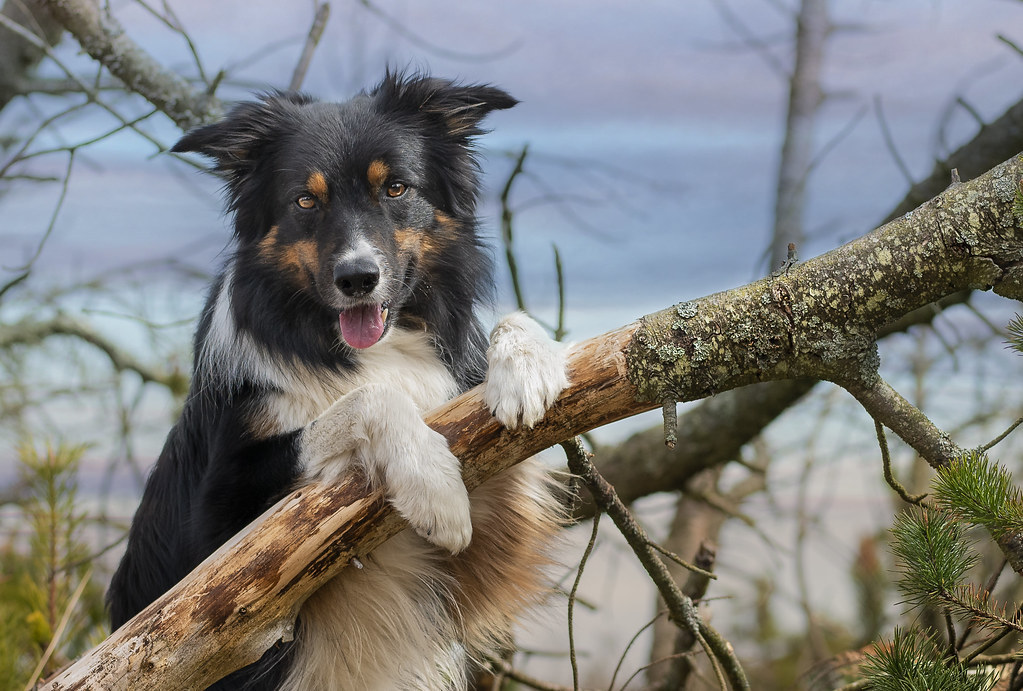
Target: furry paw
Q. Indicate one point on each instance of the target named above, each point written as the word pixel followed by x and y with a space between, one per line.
pixel 429 493
pixel 526 371
pixel 380 428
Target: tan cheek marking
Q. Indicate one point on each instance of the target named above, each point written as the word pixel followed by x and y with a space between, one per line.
pixel 317 184
pixel 377 175
pixel 303 258
pixel 268 245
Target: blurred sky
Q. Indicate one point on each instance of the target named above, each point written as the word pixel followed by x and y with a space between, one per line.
pixel 653 130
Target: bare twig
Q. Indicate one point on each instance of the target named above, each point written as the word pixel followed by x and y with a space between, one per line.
pixel 1002 436
pixel 682 609
pixel 311 41
pixel 90 91
pixel 507 229
pixel 889 477
pixel 571 600
pixel 58 632
pixel 510 672
pixel 417 40
pixel 628 647
pixel 889 142
pixel 103 38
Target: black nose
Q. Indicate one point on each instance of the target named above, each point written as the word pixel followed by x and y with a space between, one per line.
pixel 357 276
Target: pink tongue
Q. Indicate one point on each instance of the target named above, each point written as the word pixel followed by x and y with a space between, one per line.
pixel 362 326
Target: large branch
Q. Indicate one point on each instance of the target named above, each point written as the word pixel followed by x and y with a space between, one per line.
pixel 818 320
pixel 713 432
pixel 104 39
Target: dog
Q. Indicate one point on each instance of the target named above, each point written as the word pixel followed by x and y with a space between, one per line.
pixel 348 308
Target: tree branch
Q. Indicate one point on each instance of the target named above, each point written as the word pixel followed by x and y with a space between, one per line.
pixel 105 40
pixel 818 320
pixel 29 332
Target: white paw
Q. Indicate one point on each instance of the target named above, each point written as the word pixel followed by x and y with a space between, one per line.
pixel 429 493
pixel 526 371
pixel 379 427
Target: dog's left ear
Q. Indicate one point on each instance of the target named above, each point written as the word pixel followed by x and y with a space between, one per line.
pixel 459 108
pixel 238 141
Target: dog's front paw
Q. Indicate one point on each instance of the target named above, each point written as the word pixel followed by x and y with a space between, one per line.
pixel 526 371
pixel 379 427
pixel 430 493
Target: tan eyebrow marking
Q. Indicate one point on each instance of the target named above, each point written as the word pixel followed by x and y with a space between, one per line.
pixel 317 184
pixel 377 174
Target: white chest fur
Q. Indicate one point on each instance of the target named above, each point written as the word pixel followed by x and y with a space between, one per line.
pixel 405 360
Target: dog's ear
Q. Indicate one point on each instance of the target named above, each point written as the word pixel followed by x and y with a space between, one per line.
pixel 239 146
pixel 458 108
pixel 238 141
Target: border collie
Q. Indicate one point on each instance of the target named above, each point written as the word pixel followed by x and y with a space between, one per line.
pixel 347 309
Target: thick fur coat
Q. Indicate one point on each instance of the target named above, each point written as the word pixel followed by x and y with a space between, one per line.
pixel 347 309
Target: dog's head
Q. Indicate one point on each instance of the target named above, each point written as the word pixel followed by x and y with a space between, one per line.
pixel 360 206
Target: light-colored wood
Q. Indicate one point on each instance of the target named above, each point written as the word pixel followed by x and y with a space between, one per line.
pixel 245 596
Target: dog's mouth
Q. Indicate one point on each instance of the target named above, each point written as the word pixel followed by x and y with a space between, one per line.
pixel 363 325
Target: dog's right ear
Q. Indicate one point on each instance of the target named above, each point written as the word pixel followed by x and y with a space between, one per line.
pixel 237 142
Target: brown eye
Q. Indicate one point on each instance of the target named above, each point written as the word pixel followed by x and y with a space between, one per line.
pixel 306 201
pixel 396 189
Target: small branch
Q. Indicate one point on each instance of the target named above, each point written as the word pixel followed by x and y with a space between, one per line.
pixel 682 609
pixel 887 407
pixel 417 40
pixel 987 447
pixel 628 647
pixel 30 332
pixel 889 477
pixel 311 42
pixel 572 597
pixel 506 670
pixel 507 229
pixel 89 91
pixel 58 632
pixel 889 142
pixel 106 41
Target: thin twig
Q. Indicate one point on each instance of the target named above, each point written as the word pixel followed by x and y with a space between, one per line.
pixel 507 228
pixel 27 266
pixel 59 631
pixel 510 672
pixel 559 271
pixel 311 41
pixel 683 611
pixel 889 477
pixel 628 647
pixel 571 601
pixel 171 21
pixel 889 142
pixel 417 40
pixel 1001 436
pixel 89 91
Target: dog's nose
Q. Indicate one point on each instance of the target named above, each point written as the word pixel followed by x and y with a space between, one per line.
pixel 357 276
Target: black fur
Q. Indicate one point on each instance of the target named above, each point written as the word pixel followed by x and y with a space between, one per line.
pixel 217 471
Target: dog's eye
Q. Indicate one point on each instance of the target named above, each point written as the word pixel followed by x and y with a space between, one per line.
pixel 396 189
pixel 306 201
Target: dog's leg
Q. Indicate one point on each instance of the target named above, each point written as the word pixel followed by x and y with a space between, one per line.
pixel 526 371
pixel 380 427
